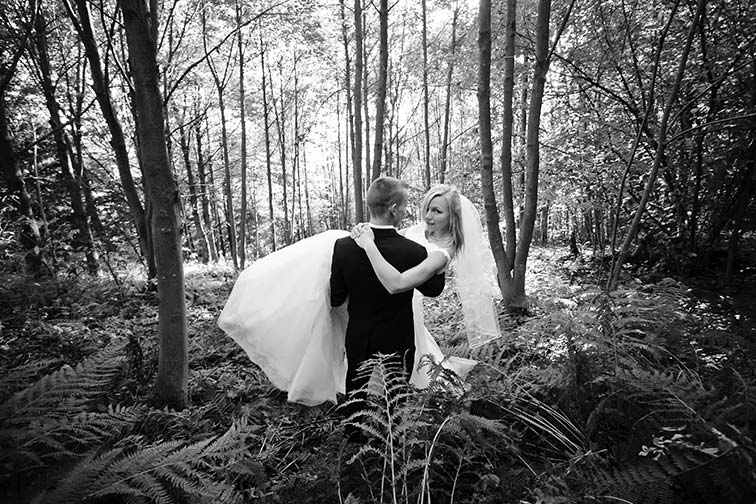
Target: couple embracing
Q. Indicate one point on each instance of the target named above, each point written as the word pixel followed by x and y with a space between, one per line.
pixel 311 313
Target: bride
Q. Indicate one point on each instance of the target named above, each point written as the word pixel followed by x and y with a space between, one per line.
pixel 279 309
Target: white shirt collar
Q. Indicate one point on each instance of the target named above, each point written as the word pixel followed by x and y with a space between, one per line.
pixel 382 226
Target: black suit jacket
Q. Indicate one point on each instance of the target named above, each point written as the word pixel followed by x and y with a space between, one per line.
pixel 378 321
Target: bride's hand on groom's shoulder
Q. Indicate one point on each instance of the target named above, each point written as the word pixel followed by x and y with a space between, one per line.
pixel 362 234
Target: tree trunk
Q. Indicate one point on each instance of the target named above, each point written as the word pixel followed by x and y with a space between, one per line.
pixel 533 151
pixel 184 141
pixel 281 129
pixel 45 232
pixel 342 203
pixel 660 146
pixel 31 239
pixel 598 223
pixel 426 99
pixel 229 207
pixel 255 213
pixel 391 143
pixel 712 109
pixel 208 228
pixel 359 212
pixel 365 95
pixel 380 98
pixel 212 198
pixel 163 193
pixel 349 116
pixel 243 119
pixel 545 224
pixel 296 175
pixel 522 133
pixel 307 196
pixel 506 151
pixel 77 111
pixel 447 104
pixel 486 147
pixel 220 86
pixel 266 127
pixel 63 149
pixel 101 87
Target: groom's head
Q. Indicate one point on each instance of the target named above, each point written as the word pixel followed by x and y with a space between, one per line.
pixel 387 200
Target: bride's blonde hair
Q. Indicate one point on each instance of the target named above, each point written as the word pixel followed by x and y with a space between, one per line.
pixel 451 195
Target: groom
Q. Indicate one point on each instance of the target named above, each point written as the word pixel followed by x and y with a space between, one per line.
pixel 378 321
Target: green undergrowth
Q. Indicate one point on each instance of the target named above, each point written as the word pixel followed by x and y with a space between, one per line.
pixel 643 396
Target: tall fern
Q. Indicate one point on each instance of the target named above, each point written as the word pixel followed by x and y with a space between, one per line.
pixel 165 472
pixel 420 445
pixel 51 419
pixel 67 390
pixel 58 443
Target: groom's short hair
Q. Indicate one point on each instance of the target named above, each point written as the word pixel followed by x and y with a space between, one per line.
pixel 384 192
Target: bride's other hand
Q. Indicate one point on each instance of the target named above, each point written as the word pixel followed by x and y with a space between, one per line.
pixel 362 234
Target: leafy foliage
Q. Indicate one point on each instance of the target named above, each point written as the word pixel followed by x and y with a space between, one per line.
pixel 60 445
pixel 646 395
pixel 164 472
pixel 417 446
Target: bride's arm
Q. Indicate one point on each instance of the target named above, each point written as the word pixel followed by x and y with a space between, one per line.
pixel 394 281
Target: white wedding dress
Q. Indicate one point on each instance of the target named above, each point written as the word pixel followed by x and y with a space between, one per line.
pixel 279 312
pixel 425 344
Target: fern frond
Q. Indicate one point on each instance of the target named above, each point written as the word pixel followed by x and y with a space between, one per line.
pixel 158 472
pixel 364 451
pixel 20 377
pixel 369 428
pixel 147 484
pixel 67 390
pixel 635 479
pixel 52 439
pixel 85 428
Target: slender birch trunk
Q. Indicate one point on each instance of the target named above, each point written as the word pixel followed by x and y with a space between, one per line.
pixel 359 212
pixel 266 129
pixel 365 95
pixel 484 129
pixel 204 193
pixel 533 152
pixel 505 272
pixel 342 203
pixel 280 118
pixel 163 193
pixel 426 98
pixel 380 98
pixel 184 143
pixel 243 118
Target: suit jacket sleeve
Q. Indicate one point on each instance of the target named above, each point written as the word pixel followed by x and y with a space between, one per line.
pixel 339 291
pixel 433 286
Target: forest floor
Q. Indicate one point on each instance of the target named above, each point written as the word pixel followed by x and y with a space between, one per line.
pixel 585 396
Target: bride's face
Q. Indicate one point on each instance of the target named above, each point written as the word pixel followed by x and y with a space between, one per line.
pixel 437 216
